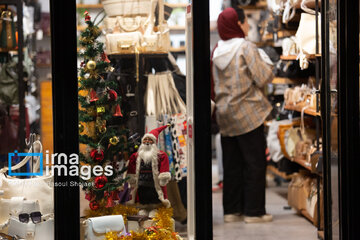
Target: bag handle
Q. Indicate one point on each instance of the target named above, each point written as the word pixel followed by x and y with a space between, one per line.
pixel 306 8
pixel 27 158
pixel 302 126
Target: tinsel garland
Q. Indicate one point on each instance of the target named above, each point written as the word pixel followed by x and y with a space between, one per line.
pixel 161 231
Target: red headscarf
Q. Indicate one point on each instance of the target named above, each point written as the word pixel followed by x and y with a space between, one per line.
pixel 227 25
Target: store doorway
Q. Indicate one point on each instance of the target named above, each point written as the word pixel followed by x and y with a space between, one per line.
pixel 293 185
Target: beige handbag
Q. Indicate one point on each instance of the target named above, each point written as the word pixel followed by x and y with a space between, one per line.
pixel 126 7
pixel 131 32
pixel 37 188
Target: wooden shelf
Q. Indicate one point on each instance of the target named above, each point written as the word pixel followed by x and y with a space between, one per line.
pixel 177 27
pixel 282 80
pixel 276 171
pixel 258 5
pixel 321 235
pixel 93 6
pixel 293 57
pixel 298 108
pixel 178 49
pixel 177 5
pixel 43 65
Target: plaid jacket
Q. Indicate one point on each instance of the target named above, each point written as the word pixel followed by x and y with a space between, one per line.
pixel 240 104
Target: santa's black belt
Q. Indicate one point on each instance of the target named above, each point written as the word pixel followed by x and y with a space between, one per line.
pixel 146 184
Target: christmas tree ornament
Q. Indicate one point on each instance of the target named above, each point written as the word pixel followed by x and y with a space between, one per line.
pixel 109 69
pixel 102 129
pixel 97 155
pixel 100 182
pixel 114 140
pixel 87 16
pixel 100 109
pixel 104 57
pixel 93 96
pixel 94 205
pixel 81 128
pixel 118 111
pixel 87 75
pixel 112 95
pixel 91 65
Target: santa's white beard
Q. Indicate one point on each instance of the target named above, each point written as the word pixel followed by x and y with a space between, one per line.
pixel 148 153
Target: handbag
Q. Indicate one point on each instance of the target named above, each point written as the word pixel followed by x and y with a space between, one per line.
pixel 9 84
pixel 132 32
pixel 284 134
pixel 126 7
pixel 306 38
pixel 14 206
pixel 34 231
pixel 97 227
pixel 7 31
pixel 37 188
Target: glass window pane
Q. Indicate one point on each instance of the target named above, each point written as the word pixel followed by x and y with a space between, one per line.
pixel 132 83
pixel 26 119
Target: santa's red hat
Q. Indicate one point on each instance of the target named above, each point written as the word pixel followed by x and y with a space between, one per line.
pixel 154 134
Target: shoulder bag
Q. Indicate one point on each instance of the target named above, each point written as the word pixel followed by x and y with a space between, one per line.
pixel 37 188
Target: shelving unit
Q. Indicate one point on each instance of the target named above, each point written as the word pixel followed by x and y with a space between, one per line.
pixel 307 111
pixel 282 80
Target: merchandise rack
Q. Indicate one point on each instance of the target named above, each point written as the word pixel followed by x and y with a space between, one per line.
pixel 20 71
pixel 144 61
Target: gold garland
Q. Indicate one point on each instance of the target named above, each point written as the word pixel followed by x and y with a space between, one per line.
pixel 161 231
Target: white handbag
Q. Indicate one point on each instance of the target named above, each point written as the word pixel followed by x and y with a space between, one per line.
pixel 131 31
pixel 126 7
pixel 14 206
pixel 306 38
pixel 97 227
pixel 37 188
pixel 31 231
pixel 117 43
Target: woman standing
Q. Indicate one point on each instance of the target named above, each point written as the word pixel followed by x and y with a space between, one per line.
pixel 239 74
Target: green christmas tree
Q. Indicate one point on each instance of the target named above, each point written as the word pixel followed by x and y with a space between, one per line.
pixel 103 136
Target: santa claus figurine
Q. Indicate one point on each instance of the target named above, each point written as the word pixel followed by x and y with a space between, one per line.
pixel 149 174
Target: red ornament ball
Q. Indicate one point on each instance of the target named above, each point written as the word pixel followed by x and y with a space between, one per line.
pixel 97 155
pixel 100 182
pixel 112 95
pixel 94 205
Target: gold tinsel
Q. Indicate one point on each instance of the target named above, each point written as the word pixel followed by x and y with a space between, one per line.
pixel 161 231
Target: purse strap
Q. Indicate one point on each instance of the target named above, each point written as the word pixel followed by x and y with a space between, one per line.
pixel 302 126
pixel 306 8
pixel 27 158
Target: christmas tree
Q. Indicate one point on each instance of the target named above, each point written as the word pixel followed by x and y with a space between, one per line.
pixel 103 137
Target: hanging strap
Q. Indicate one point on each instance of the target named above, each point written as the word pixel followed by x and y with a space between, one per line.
pixel 37 149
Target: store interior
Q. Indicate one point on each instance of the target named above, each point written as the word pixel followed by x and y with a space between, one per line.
pixel 127 90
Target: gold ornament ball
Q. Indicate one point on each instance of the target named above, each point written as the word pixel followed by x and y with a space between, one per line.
pixel 81 128
pixel 91 65
pixel 102 129
pixel 114 140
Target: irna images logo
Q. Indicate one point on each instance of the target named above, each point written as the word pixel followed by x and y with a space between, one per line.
pixel 60 164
